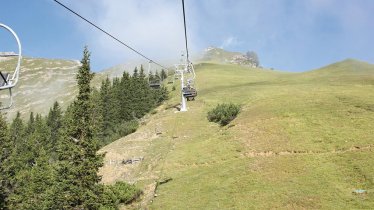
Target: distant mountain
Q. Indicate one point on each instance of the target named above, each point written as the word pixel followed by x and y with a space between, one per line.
pixel 41 83
pixel 347 66
pixel 44 81
pixel 346 71
pixel 219 55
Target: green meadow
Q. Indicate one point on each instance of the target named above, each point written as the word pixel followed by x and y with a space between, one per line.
pixel 301 141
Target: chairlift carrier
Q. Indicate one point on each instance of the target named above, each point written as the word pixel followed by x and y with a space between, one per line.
pixel 186 73
pixel 9 80
pixel 156 83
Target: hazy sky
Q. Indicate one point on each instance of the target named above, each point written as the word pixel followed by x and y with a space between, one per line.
pixel 293 35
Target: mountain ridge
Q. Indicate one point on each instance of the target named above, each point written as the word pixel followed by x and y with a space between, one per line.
pixel 43 81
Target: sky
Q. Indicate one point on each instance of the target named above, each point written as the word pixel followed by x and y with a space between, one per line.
pixel 291 35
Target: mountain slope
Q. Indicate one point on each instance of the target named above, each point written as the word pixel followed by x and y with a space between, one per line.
pixel 41 83
pixel 348 66
pixel 44 81
pixel 297 143
pixel 346 71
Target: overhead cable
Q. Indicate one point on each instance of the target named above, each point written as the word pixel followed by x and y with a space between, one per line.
pixel 185 30
pixel 110 35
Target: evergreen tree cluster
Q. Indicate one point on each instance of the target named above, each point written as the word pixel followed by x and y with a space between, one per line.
pixel 52 162
pixel 121 102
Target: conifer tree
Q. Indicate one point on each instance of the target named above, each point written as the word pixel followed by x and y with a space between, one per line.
pixel 10 164
pixel 79 162
pixel 126 106
pixel 54 122
pixel 115 101
pixel 135 73
pixel 16 137
pixel 5 150
pixel 97 114
pixel 42 133
pixel 163 75
pixel 16 130
pixel 141 73
pixel 30 124
pixel 35 187
pixel 106 108
pixel 33 181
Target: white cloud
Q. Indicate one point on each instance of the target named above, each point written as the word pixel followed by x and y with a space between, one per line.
pixel 280 31
pixel 155 28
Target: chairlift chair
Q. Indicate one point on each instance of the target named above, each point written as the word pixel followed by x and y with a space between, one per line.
pixel 170 80
pixel 189 92
pixel 155 83
pixel 9 80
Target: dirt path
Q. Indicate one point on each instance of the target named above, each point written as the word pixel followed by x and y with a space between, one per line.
pixel 128 159
pixel 293 152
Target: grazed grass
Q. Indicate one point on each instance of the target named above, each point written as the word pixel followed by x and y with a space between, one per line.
pixel 311 134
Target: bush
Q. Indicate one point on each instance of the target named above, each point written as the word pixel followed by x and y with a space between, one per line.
pixel 223 113
pixel 120 192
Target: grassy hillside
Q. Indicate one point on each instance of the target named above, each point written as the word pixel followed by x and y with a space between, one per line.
pixel 301 141
pixel 44 81
pixel 41 83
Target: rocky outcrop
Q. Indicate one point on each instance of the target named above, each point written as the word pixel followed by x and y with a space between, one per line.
pixel 222 56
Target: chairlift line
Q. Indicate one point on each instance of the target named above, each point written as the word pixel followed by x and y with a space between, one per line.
pixel 185 30
pixel 186 72
pixel 110 35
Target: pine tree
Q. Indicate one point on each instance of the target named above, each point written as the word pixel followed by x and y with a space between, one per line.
pixel 141 94
pixel 115 94
pixel 163 75
pixel 54 122
pixel 35 188
pixel 106 108
pixel 17 138
pixel 97 114
pixel 126 107
pixel 135 74
pixel 79 162
pixel 42 134
pixel 34 177
pixel 141 73
pixel 10 164
pixel 16 130
pixel 30 124
pixel 5 151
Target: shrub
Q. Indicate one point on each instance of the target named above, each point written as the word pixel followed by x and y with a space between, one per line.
pixel 120 192
pixel 223 113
